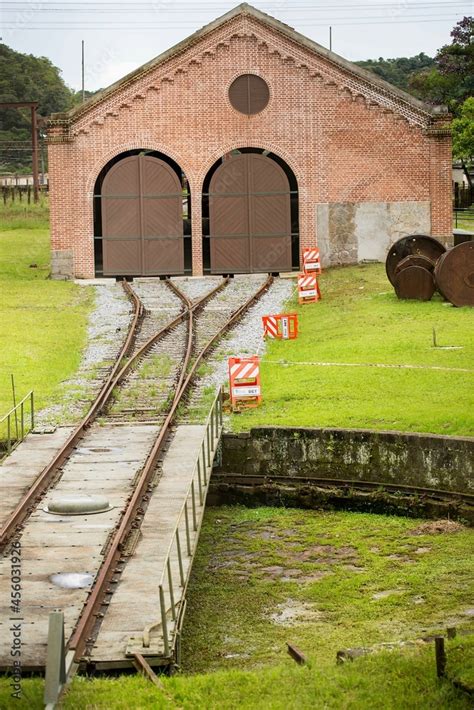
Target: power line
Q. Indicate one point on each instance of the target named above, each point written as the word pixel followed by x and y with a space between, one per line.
pixel 150 9
pixel 321 23
pixel 88 5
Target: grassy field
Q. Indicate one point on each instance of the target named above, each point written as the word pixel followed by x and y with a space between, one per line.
pixel 464 220
pixel 335 374
pixel 393 681
pixel 324 582
pixel 43 322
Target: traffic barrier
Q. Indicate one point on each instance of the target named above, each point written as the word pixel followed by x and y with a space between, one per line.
pixel 311 260
pixel 283 326
pixel 308 288
pixel 244 381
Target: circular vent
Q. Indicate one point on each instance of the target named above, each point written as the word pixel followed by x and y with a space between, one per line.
pixel 249 94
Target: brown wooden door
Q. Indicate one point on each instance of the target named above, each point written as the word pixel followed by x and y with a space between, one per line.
pixel 250 216
pixel 142 221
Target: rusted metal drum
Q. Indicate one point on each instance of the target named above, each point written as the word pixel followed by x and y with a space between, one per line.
pixel 415 260
pixel 420 245
pixel 454 274
pixel 415 282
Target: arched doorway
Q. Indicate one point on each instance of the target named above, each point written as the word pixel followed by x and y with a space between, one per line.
pixel 141 217
pixel 250 210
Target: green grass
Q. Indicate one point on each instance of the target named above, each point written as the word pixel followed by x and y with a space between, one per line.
pixel 394 681
pixel 21 215
pixel 467 224
pixel 460 661
pixel 358 324
pixel 43 322
pixel 232 596
pixel 330 572
pixel 156 366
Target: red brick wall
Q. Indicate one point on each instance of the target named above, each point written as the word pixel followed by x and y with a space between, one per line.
pixel 344 141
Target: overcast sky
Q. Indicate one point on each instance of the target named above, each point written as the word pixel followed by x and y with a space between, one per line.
pixel 120 36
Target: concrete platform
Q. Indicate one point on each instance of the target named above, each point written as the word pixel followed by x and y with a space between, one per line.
pixel 106 463
pixel 135 602
pixel 19 470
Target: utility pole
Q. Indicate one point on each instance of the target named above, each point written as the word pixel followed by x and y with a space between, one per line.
pixel 330 38
pixel 83 87
pixel 32 105
pixel 34 149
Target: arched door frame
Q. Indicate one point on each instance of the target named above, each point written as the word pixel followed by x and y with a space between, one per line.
pixel 146 193
pixel 275 187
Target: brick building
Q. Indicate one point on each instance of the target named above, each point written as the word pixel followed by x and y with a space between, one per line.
pixel 235 149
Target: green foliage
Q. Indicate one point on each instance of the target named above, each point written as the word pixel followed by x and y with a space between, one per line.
pixel 463 132
pixel 398 71
pixel 24 77
pixel 435 88
pixel 21 215
pixel 457 59
pixel 333 374
pixel 76 97
pixel 457 668
pixel 451 81
pixel 447 79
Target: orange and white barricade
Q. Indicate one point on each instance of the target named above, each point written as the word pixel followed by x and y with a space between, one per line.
pixel 308 288
pixel 283 326
pixel 311 260
pixel 244 381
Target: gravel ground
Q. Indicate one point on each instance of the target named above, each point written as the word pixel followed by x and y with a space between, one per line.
pixel 196 286
pixel 246 338
pixel 106 331
pixel 108 325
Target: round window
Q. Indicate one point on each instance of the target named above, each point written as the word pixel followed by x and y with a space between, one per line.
pixel 249 94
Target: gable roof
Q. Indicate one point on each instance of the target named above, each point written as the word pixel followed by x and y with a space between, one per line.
pixel 248 10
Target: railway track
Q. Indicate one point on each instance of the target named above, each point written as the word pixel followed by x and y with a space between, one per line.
pixel 190 336
pixel 83 635
pixel 123 366
pixel 246 481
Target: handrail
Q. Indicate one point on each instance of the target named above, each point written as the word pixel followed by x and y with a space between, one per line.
pixel 195 495
pixel 20 434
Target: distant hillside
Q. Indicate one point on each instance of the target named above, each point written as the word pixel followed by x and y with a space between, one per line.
pixel 24 77
pixel 399 71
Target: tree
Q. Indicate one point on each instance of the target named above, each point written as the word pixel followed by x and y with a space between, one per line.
pixel 456 60
pixel 24 77
pixel 451 81
pixel 463 133
pixel 76 97
pixel 400 70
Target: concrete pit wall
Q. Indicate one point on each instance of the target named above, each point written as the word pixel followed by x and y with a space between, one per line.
pixel 430 461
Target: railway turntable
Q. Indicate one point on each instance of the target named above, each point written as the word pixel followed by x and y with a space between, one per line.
pixel 106 532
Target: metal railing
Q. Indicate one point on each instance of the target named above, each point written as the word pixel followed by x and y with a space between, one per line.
pixel 16 424
pixel 465 215
pixel 186 530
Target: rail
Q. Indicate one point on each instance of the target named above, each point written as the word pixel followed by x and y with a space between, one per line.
pixel 46 476
pixel 20 427
pixel 187 529
pixel 88 621
pixel 117 374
